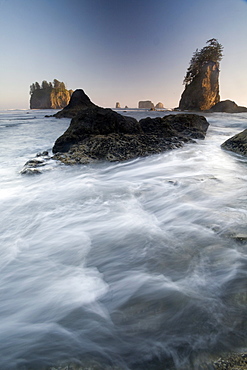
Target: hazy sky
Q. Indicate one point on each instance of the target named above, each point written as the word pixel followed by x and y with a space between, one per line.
pixel 118 50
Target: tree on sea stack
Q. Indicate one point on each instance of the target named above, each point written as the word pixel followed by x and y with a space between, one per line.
pixel 202 78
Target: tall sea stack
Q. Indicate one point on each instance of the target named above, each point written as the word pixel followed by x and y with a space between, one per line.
pixel 202 78
pixel 203 92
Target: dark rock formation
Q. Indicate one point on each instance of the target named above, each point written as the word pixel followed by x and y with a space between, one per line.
pixel 147 104
pixel 78 102
pixel 203 92
pixel 102 134
pixel 118 105
pixel 227 106
pixel 237 143
pixel 50 98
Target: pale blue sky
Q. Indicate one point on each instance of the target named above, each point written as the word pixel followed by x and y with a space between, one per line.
pixel 118 50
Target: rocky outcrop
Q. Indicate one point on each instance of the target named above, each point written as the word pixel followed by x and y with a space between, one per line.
pixel 102 134
pixel 50 98
pixel 227 106
pixel 237 143
pixel 147 104
pixel 203 92
pixel 118 105
pixel 159 106
pixel 79 101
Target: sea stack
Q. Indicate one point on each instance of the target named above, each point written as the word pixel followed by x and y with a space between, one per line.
pixel 203 92
pixel 49 96
pixel 146 104
pixel 202 78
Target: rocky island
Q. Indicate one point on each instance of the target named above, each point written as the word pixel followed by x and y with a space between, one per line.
pixel 202 78
pixel 49 95
pixel 97 133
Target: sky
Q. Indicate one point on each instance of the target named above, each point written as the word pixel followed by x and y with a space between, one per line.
pixel 118 50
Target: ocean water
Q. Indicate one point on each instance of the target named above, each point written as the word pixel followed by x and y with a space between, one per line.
pixel 138 265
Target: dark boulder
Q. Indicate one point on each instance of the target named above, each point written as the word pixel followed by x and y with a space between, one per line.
pixel 237 143
pixel 78 102
pixel 227 106
pixel 102 134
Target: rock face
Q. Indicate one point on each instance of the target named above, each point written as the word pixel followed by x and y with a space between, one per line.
pixel 147 104
pixel 102 134
pixel 237 143
pixel 203 92
pixel 49 98
pixel 227 106
pixel 78 102
pixel 118 105
pixel 159 106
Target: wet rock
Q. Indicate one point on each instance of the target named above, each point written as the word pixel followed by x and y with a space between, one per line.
pixel 34 166
pixel 231 362
pixel 102 134
pixel 237 143
pixel 227 106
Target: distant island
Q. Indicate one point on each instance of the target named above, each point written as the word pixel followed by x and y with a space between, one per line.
pixel 49 95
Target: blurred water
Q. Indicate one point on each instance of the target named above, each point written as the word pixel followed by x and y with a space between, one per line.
pixel 136 264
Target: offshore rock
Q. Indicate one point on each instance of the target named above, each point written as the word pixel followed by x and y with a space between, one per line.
pixel 237 143
pixel 227 106
pixel 159 106
pixel 203 92
pixel 102 134
pixel 78 102
pixel 147 104
pixel 50 98
pixel 118 105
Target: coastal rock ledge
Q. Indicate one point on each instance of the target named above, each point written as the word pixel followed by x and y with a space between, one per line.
pixel 97 133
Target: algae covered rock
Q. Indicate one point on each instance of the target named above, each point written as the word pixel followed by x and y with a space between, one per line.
pixel 237 143
pixel 102 134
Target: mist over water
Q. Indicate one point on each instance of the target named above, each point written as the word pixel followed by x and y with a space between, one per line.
pixel 135 264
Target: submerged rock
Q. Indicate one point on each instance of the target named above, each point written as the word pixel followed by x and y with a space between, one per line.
pixel 35 166
pixel 102 134
pixel 237 143
pixel 227 106
pixel 203 92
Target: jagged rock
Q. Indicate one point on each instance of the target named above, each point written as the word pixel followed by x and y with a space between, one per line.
pixel 78 102
pixel 118 105
pixel 102 134
pixel 50 98
pixel 159 106
pixel 227 106
pixel 237 143
pixel 147 104
pixel 203 92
